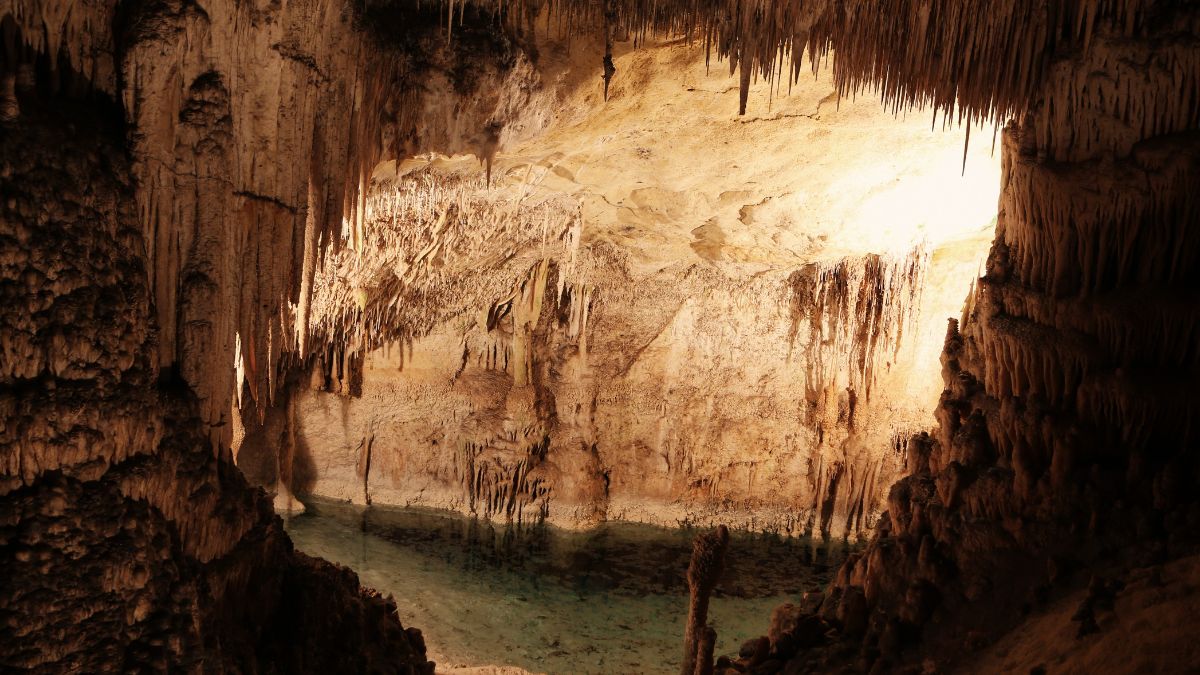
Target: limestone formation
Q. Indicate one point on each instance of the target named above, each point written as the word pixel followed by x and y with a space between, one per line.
pixel 127 545
pixel 1065 416
pixel 704 571
pixel 130 541
pixel 713 377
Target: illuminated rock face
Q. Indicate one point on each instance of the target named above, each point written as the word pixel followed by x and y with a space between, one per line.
pixel 713 402
pixel 1066 427
pixel 646 333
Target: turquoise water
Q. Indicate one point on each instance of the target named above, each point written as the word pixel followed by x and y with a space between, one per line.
pixel 610 600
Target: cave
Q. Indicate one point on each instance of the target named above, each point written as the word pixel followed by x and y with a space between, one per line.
pixel 699 336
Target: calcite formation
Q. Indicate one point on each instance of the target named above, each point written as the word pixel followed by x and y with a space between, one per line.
pixel 1064 431
pixel 511 372
pixel 148 228
pixel 256 129
pixel 708 561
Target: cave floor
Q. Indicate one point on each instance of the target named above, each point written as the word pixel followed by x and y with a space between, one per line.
pixel 544 599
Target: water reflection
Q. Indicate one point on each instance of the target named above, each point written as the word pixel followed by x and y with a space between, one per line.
pixel 612 599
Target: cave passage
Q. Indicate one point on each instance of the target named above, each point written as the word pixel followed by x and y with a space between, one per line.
pixel 609 331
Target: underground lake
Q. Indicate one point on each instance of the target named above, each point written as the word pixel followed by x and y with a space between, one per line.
pixel 544 599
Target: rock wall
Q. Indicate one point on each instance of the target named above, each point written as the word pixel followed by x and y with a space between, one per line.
pixel 796 328
pixel 126 543
pixel 260 158
pixel 170 172
pixel 497 358
pixel 255 127
pixel 1065 431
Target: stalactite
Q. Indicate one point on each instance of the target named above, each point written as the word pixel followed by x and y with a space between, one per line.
pixel 893 47
pixel 526 311
pixel 106 472
pixel 610 19
pixel 1069 381
pixel 298 211
pixel 225 225
pixel 429 247
pixel 854 314
pixel 497 487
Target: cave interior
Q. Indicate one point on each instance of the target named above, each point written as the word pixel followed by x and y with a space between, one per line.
pixel 843 335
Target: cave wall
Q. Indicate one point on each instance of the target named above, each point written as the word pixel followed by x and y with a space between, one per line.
pixel 127 544
pixel 546 375
pixel 793 406
pixel 256 127
pixel 1079 453
pixel 170 172
pixel 260 159
pixel 723 399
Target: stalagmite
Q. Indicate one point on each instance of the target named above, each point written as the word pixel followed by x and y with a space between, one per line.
pixel 704 571
pixel 704 651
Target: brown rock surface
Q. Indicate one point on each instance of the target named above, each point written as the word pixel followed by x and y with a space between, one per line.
pixel 127 544
pixel 1148 628
pixel 1065 419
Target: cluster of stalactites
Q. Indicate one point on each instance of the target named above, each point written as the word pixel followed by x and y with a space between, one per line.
pixel 234 201
pixel 242 183
pixel 435 246
pixel 972 59
pixel 850 317
pixel 71 36
pixel 502 478
pixel 1085 115
pixel 1062 324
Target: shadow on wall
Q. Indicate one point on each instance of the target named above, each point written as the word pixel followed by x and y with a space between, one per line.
pixel 266 448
